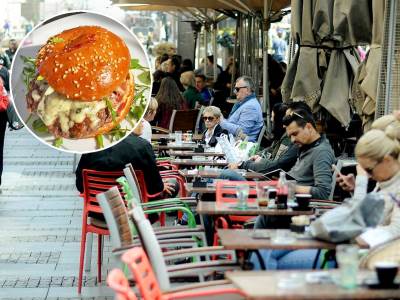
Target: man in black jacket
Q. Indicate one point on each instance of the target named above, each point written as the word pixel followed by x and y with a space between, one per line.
pixel 134 150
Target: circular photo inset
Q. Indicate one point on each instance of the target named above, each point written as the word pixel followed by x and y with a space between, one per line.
pixel 80 82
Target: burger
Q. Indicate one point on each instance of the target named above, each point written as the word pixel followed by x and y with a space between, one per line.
pixel 82 87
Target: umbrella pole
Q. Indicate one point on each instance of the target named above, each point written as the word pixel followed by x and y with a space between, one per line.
pixel 215 28
pixel 266 103
pixel 235 53
pixel 205 49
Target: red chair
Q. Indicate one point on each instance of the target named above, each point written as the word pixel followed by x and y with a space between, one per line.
pixel 94 182
pixel 146 197
pixel 225 194
pixel 118 282
pixel 148 286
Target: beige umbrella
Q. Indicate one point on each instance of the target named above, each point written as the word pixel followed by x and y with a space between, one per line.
pixel 325 64
pixel 368 79
pixel 351 27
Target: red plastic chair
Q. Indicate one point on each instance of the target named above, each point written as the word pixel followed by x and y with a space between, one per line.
pixel 118 282
pixel 146 197
pixel 226 193
pixel 148 286
pixel 94 182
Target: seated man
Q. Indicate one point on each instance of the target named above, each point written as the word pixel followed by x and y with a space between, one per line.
pixel 312 171
pixel 246 115
pixel 282 154
pixel 134 150
pixel 203 90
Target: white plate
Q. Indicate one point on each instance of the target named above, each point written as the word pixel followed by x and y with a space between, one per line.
pixel 38 37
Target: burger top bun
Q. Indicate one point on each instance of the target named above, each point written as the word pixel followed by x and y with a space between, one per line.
pixel 84 63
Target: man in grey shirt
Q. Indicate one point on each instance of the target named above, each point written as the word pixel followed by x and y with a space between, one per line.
pixel 312 170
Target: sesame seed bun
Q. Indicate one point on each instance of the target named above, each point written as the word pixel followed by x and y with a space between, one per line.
pixel 85 63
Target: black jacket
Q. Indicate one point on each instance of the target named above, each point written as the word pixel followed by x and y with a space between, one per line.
pixel 134 150
pixel 217 132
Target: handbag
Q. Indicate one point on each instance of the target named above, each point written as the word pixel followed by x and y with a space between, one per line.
pixel 350 219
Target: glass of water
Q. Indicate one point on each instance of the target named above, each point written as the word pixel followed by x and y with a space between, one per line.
pixel 242 193
pixel 178 137
pixel 347 258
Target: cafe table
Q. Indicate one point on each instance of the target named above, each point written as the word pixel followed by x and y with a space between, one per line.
pixel 167 136
pixel 250 239
pixel 216 172
pixel 174 146
pixel 213 208
pixel 191 153
pixel 183 162
pixel 270 285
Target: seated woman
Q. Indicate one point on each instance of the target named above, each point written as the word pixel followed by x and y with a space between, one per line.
pixel 191 94
pixel 211 117
pixel 378 156
pixel 168 98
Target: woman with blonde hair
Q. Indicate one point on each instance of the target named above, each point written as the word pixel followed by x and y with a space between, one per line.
pixel 347 182
pixel 378 157
pixel 148 117
pixel 211 117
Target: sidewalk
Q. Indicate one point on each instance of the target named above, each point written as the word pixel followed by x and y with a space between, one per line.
pixel 40 225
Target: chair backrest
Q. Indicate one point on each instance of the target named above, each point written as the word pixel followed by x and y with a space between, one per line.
pixel 116 216
pixel 133 182
pixel 389 251
pixel 198 119
pixel 183 120
pixel 151 246
pixel 117 281
pixel 142 185
pixel 226 191
pixel 96 182
pixel 143 273
pixel 339 165
pixel 261 134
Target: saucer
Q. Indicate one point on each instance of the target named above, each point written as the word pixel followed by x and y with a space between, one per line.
pixel 374 284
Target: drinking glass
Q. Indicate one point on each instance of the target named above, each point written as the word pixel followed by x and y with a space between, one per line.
pixel 242 192
pixel 262 193
pixel 347 258
pixel 178 137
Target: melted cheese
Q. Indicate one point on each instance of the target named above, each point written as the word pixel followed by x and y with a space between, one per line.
pixel 53 105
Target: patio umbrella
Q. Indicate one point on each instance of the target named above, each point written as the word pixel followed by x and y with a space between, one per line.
pixel 369 71
pixel 325 65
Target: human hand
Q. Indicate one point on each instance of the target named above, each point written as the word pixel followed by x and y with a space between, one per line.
pixel 233 166
pixel 254 157
pixel 169 188
pixel 346 182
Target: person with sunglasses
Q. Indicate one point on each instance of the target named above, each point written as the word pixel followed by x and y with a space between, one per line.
pixel 211 118
pixel 246 114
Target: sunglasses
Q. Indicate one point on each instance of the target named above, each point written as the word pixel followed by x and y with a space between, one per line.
pixel 208 118
pixel 371 169
pixel 237 89
pixel 296 114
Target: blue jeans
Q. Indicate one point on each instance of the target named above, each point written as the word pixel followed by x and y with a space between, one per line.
pixel 286 259
pixel 231 175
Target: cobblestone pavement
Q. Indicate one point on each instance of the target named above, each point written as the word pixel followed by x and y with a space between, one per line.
pixel 40 223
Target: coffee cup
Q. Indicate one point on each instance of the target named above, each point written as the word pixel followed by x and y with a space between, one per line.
pixel 386 272
pixel 303 201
